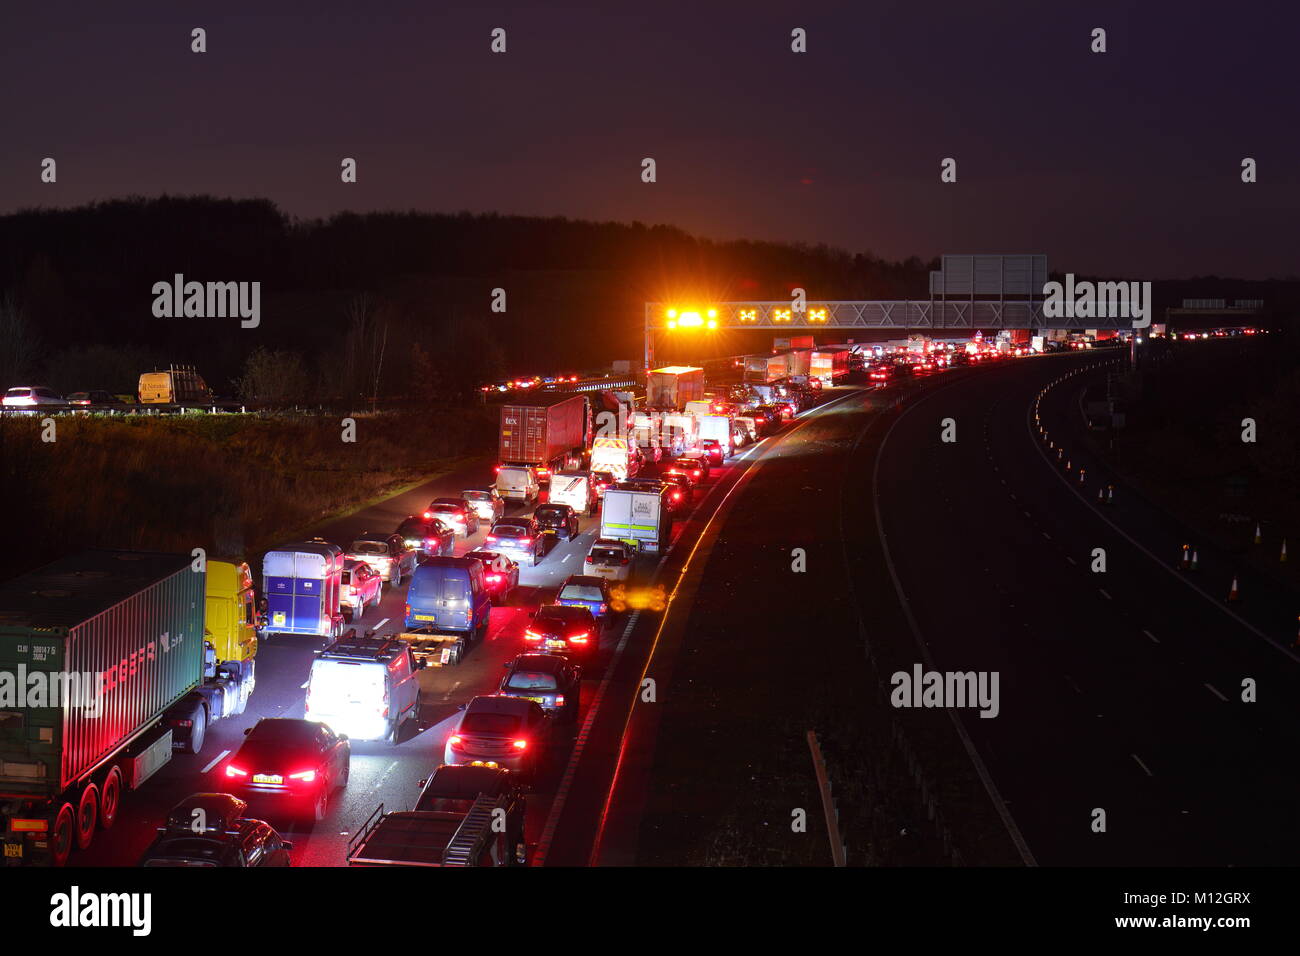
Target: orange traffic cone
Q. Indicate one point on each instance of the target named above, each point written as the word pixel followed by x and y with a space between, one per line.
pixel 1233 593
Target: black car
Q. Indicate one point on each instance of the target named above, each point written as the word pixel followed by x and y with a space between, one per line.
pixel 95 398
pixel 429 536
pixel 211 829
pixel 564 629
pixel 297 764
pixel 560 519
pixel 552 681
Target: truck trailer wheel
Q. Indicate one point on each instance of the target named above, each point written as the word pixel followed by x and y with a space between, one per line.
pixel 198 730
pixel 61 835
pixel 110 798
pixel 87 815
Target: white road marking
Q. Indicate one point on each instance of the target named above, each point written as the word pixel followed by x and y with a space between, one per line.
pixel 381 624
pixel 1213 690
pixel 1070 559
pixel 216 760
pixel 1105 594
pixel 1142 765
pixel 1152 636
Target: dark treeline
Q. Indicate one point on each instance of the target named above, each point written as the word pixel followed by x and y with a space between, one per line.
pixel 394 304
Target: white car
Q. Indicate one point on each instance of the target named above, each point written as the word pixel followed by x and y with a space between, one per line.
pixel 486 504
pixel 609 559
pixel 25 397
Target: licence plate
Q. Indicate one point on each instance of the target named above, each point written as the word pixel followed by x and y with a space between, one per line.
pixel 426 617
pixel 559 644
pixel 13 849
pixel 267 778
pixel 540 700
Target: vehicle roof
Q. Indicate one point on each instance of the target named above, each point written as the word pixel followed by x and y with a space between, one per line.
pixel 501 704
pixel 457 502
pixel 608 543
pixel 445 564
pixel 462 780
pixel 73 589
pixel 564 612
pixel 590 579
pixel 548 663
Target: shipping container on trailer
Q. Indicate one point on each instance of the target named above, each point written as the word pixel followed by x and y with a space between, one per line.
pixel 548 431
pixel 673 386
pixel 117 637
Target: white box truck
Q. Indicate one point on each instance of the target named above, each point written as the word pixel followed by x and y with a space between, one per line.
pixel 639 518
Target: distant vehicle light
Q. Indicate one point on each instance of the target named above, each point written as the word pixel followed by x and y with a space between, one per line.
pixel 520 744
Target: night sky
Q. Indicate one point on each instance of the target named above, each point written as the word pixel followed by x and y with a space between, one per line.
pixel 1125 163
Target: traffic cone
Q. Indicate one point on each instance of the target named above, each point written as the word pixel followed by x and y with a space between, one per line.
pixel 1282 557
pixel 1233 593
pixel 1101 497
pixel 1110 494
pixel 1194 562
pixel 1187 557
pixel 1082 472
pixel 1258 537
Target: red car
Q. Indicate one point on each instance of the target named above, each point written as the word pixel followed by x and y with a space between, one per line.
pixel 362 587
pixel 500 574
pixel 712 448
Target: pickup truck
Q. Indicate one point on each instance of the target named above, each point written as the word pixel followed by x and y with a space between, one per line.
pixel 465 816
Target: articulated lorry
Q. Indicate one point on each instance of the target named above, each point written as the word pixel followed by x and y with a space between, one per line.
pixel 545 434
pixel 106 668
pixel 672 387
pixel 829 365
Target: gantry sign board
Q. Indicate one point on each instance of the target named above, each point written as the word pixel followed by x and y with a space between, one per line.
pixel 968 292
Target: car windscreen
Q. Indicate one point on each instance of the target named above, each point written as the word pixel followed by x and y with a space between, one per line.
pixel 445 509
pixel 500 725
pixel 347 577
pixel 369 547
pixel 412 529
pixel 549 512
pixel 19 393
pixel 478 496
pixel 606 555
pixel 190 851
pixel 531 680
pixel 580 592
pixel 510 531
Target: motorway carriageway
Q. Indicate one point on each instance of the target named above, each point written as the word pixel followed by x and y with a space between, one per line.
pixel 382 773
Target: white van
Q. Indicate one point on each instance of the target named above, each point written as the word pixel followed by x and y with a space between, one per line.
pixel 575 489
pixel 364 687
pixel 518 483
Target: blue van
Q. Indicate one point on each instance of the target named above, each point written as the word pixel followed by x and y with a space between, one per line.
pixel 449 594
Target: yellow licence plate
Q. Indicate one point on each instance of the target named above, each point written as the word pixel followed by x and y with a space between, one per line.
pixel 426 617
pixel 13 849
pixel 267 778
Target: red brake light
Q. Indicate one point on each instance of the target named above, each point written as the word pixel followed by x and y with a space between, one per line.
pixel 624 561
pixel 491 537
pixel 525 540
pixel 590 559
pixel 455 740
pixel 520 745
pixel 428 514
pixel 233 771
pixel 677 496
pixel 531 635
pixel 559 700
pixel 307 776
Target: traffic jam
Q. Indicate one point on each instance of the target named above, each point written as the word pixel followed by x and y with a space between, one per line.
pixel 468 638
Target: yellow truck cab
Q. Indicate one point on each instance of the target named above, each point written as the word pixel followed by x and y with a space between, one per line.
pixel 229 649
pixel 230 619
